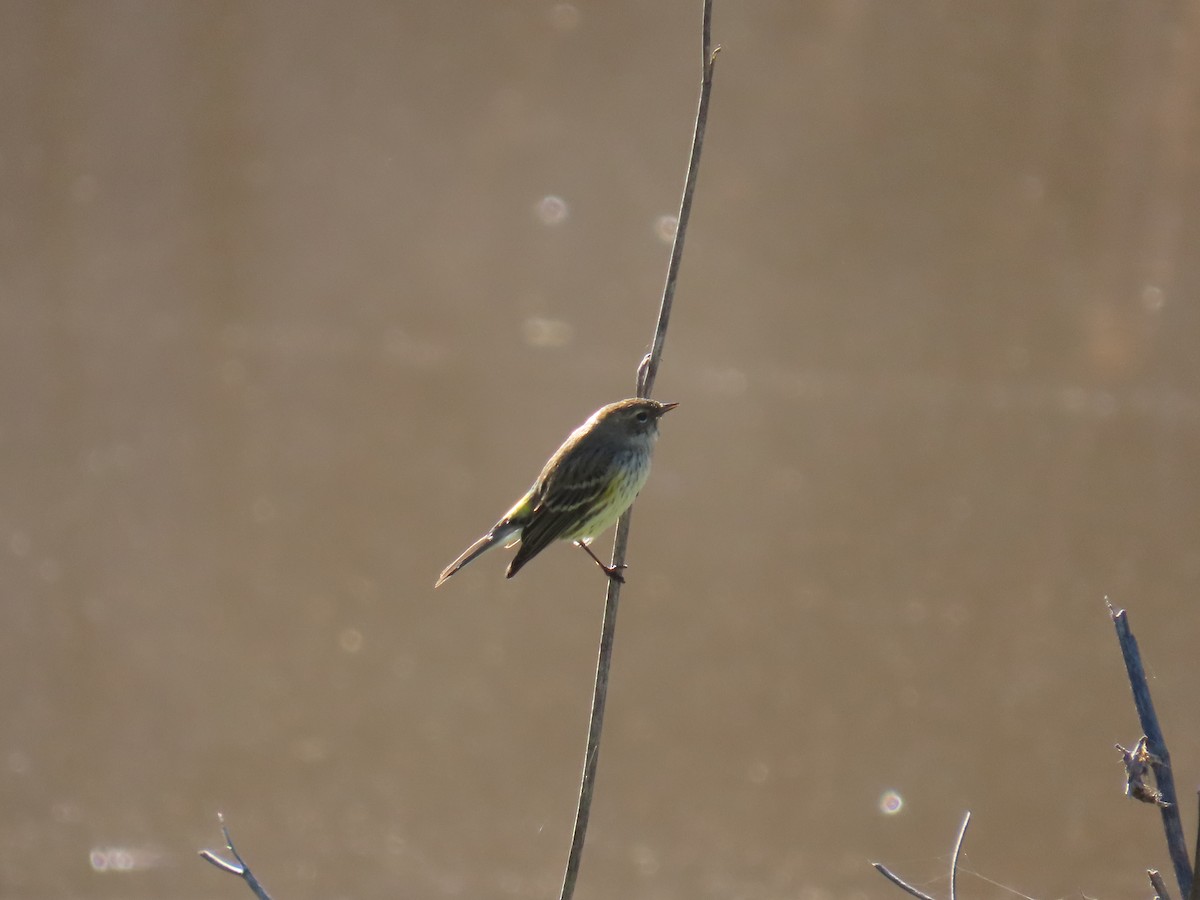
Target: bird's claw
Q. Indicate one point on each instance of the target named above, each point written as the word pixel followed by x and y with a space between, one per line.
pixel 614 572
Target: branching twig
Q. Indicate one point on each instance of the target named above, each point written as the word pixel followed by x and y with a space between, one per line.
pixel 1156 745
pixel 238 868
pixel 647 372
pixel 904 885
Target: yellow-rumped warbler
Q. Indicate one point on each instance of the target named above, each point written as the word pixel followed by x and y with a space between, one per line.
pixel 583 489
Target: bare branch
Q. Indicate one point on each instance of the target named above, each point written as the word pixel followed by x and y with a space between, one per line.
pixel 1160 887
pixel 1156 748
pixel 904 885
pixel 962 833
pixel 646 380
pixel 899 882
pixel 646 374
pixel 239 867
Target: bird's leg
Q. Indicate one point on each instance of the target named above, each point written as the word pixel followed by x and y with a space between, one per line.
pixel 613 572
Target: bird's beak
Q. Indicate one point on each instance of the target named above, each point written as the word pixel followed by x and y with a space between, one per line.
pixel 667 407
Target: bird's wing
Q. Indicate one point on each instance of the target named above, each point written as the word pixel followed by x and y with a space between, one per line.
pixel 558 513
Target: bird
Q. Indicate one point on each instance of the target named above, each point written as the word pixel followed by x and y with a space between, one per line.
pixel 583 488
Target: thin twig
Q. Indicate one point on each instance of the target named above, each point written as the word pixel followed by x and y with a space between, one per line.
pixel 1157 745
pixel 904 885
pixel 647 372
pixel 238 868
pixel 1156 882
pixel 1195 894
pixel 962 833
pixel 899 882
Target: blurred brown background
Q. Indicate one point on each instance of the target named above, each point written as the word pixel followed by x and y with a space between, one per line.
pixel 296 299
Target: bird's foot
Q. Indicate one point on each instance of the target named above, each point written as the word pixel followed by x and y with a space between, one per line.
pixel 614 572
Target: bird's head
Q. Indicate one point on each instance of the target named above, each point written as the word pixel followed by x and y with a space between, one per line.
pixel 636 417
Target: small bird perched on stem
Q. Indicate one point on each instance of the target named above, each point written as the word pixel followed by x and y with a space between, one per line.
pixel 583 489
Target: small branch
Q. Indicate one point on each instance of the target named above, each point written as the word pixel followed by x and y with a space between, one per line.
pixel 1160 887
pixel 1156 747
pixel 962 833
pixel 238 868
pixel 899 882
pixel 646 374
pixel 648 371
pixel 904 885
pixel 596 721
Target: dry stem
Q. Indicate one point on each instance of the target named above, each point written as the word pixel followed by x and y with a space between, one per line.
pixel 646 374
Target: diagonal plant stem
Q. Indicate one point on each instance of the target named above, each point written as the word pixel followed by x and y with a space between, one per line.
pixel 647 372
pixel 1164 779
pixel 900 882
pixel 1160 886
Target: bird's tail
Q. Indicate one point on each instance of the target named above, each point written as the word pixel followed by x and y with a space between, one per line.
pixel 503 533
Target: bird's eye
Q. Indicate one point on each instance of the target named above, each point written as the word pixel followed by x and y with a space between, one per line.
pixel 642 416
